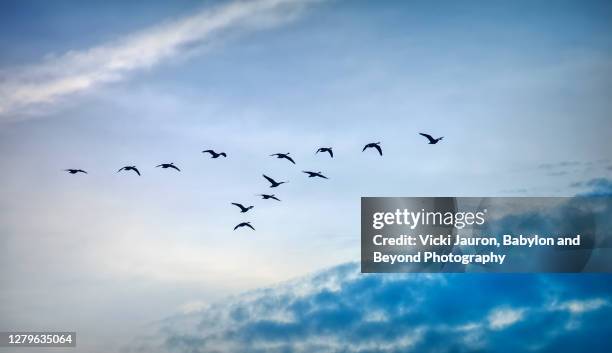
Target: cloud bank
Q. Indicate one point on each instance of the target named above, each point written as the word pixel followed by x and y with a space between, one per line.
pixel 24 89
pixel 342 310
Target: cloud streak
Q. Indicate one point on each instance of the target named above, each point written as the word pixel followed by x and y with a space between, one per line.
pixel 24 89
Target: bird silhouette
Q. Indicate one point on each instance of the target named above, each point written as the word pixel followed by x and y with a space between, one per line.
pixel 214 154
pixel 266 196
pixel 432 141
pixel 130 167
pixel 244 224
pixel 373 145
pixel 168 165
pixel 314 174
pixel 273 183
pixel 326 149
pixel 74 171
pixel 283 155
pixel 242 208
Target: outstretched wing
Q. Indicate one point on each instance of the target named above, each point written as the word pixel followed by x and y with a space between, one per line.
pixel 331 154
pixel 120 169
pixel 431 139
pixel 289 158
pixel 136 170
pixel 238 226
pixel 378 149
pixel 274 197
pixel 238 205
pixel 322 176
pixel 269 179
pixel 161 165
pixel 209 151
pixel 365 147
pixel 81 170
pixel 248 225
pixel 173 166
pixel 223 154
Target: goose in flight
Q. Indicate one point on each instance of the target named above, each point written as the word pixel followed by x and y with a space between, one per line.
pixel 283 155
pixel 266 196
pixel 214 154
pixel 244 224
pixel 273 183
pixel 168 165
pixel 130 167
pixel 74 171
pixel 432 141
pixel 326 149
pixel 373 145
pixel 241 207
pixel 314 174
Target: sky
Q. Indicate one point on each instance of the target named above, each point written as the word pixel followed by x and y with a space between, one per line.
pixel 520 91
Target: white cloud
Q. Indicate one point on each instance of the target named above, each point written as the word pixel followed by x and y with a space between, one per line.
pixel 501 318
pixel 24 89
pixel 581 306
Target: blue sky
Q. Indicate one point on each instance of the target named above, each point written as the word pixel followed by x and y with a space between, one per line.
pixel 342 310
pixel 520 90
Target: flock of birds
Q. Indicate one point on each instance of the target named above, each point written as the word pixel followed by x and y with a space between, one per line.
pixel 273 183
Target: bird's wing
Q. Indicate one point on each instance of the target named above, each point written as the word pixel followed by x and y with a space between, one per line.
pixel 209 151
pixel 82 171
pixel 238 226
pixel 120 169
pixel 364 148
pixel 269 179
pixel 161 165
pixel 431 139
pixel 331 154
pixel 379 149
pixel 175 167
pixel 275 198
pixel 136 170
pixel 323 176
pixel 319 150
pixel 237 205
pixel 250 226
pixel 223 154
pixel 290 159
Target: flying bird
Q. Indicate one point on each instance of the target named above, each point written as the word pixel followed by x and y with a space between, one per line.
pixel 283 155
pixel 130 167
pixel 241 207
pixel 314 174
pixel 266 196
pixel 326 149
pixel 373 145
pixel 168 165
pixel 74 171
pixel 244 224
pixel 214 154
pixel 432 141
pixel 273 183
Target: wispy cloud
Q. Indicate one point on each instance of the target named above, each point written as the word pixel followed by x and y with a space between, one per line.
pixel 342 310
pixel 24 89
pixel 501 318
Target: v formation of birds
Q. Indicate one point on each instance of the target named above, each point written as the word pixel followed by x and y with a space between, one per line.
pixel 273 183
